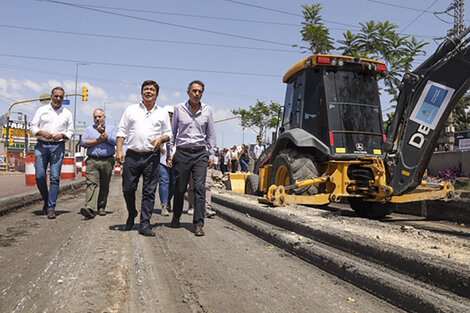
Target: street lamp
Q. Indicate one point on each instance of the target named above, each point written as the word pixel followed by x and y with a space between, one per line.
pixel 75 102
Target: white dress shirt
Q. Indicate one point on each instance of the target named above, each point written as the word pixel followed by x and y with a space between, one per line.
pixel 58 121
pixel 140 126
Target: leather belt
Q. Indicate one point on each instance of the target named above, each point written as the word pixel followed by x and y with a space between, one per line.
pixel 141 153
pixel 49 142
pixel 192 150
pixel 99 158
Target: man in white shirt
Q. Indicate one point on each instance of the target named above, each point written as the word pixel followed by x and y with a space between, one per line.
pixel 52 125
pixel 145 126
pixel 258 150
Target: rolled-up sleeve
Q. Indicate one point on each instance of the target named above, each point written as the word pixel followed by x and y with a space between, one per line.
pixel 85 137
pixel 112 135
pixel 166 129
pixel 35 123
pixel 70 127
pixel 210 133
pixel 123 126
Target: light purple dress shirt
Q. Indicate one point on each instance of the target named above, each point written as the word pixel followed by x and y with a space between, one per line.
pixel 191 131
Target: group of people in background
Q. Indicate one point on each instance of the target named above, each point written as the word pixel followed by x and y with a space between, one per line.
pixel 166 146
pixel 237 158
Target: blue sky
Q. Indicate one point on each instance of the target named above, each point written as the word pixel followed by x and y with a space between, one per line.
pixel 240 49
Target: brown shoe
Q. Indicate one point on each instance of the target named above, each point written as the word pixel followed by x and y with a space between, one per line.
pixel 51 214
pixel 175 222
pixel 87 213
pixel 198 231
pixel 101 212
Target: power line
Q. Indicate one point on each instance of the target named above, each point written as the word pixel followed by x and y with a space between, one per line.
pixel 120 82
pixel 285 12
pixel 400 6
pixel 419 15
pixel 406 7
pixel 143 39
pixel 137 65
pixel 211 17
pixel 192 15
pixel 168 24
pixel 264 8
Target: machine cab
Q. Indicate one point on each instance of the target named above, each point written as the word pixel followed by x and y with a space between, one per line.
pixel 336 100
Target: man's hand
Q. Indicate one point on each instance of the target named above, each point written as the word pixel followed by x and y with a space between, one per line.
pixel 162 150
pixel 119 157
pixel 104 136
pixel 58 137
pixel 169 161
pixel 101 128
pixel 157 142
pixel 45 134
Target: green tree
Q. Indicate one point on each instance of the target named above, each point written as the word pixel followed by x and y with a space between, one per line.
pixel 314 31
pixel 374 40
pixel 381 41
pixel 461 114
pixel 259 117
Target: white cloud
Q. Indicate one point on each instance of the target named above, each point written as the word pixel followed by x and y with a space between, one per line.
pixel 33 86
pixel 162 97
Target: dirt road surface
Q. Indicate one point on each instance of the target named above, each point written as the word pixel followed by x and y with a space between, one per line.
pixel 74 265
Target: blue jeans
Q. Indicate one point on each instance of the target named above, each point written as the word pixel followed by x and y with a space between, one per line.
pixel 54 155
pixel 244 166
pixel 166 181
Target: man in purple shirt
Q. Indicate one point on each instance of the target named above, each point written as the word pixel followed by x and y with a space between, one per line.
pixel 195 140
pixel 100 141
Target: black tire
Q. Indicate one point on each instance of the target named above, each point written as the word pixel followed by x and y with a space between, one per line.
pixel 252 185
pixel 372 210
pixel 291 165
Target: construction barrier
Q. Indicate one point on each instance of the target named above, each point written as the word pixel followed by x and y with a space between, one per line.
pixel 68 169
pixel 84 169
pixel 29 170
pixel 117 169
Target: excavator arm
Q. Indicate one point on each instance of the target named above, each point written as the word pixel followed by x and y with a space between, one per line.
pixel 427 97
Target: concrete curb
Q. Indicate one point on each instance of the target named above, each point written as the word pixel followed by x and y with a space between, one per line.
pixel 447 275
pixel 10 203
pixel 456 210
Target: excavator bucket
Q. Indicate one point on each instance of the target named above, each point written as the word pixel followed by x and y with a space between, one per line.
pixel 237 182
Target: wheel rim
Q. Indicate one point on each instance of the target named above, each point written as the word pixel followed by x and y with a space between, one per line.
pixel 282 176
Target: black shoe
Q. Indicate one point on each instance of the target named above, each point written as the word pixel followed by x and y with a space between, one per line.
pixel 88 213
pixel 146 232
pixel 44 208
pixel 175 222
pixel 130 221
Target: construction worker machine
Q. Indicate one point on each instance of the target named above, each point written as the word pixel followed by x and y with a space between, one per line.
pixel 332 144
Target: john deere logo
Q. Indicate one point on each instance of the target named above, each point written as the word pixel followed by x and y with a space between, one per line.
pixel 359 146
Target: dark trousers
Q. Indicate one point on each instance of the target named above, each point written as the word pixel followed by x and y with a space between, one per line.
pixel 195 163
pixel 234 166
pixel 137 165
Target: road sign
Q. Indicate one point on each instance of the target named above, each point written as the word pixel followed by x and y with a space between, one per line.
pixel 16 132
pixel 79 130
pixel 66 102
